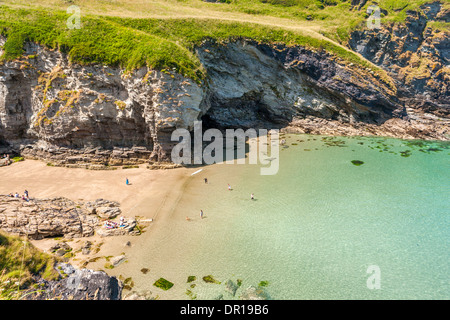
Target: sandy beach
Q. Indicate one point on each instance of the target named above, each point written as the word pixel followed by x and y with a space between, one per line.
pixel 159 199
pixel 44 181
pixel 151 195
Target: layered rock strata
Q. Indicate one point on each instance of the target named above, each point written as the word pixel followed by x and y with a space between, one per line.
pixel 100 116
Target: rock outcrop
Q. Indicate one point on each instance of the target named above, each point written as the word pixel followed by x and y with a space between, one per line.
pixel 259 85
pixel 416 56
pixel 59 217
pixel 100 116
pixel 78 284
pixel 67 114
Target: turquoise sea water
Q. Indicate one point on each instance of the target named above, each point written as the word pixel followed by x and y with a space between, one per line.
pixel 316 226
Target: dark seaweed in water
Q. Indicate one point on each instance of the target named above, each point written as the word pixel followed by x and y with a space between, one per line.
pixel 416 143
pixel 163 284
pixel 406 153
pixel 430 150
pixel 330 142
pixel 210 279
pixel 428 146
pixel 357 162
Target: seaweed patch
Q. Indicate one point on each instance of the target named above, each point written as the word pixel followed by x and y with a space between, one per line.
pixel 163 284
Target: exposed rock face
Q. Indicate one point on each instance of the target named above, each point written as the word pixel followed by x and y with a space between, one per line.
pixel 307 92
pixel 415 55
pixel 254 85
pixel 43 218
pixel 66 113
pixel 417 125
pixel 79 284
pixel 99 116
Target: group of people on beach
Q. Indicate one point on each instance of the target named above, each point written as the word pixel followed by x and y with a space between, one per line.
pixel 5 159
pixel 252 197
pixel 114 225
pixel 17 195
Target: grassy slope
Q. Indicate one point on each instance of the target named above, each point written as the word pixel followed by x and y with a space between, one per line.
pixel 326 14
pixel 162 33
pixel 158 43
pixel 18 261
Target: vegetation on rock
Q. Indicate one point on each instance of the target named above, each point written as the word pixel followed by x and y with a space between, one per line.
pixel 20 263
pixel 162 44
pixel 163 284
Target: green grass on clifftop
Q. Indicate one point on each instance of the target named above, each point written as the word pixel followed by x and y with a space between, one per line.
pixel 133 43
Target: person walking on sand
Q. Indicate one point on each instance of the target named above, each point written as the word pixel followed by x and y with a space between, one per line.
pixel 201 214
pixel 206 180
pixel 127 182
pixel 252 196
pixel 229 187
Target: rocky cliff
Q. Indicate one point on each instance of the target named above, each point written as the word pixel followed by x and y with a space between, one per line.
pixel 99 115
pixel 416 55
pixel 65 113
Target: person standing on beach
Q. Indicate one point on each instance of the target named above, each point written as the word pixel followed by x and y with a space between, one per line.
pixel 26 194
pixel 229 187
pixel 206 180
pixel 252 196
pixel 201 214
pixel 127 182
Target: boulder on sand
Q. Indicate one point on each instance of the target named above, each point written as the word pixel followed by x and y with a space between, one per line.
pixel 108 212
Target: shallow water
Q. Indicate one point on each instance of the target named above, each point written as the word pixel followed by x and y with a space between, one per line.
pixel 316 226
